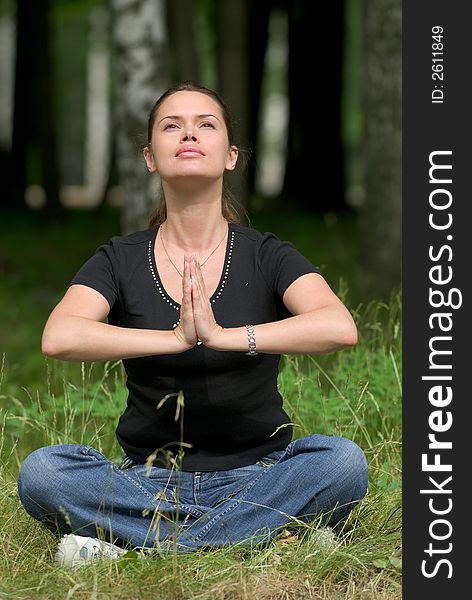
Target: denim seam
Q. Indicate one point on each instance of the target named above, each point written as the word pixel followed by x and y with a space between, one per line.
pixel 191 510
pixel 86 451
pixel 135 483
pixel 233 506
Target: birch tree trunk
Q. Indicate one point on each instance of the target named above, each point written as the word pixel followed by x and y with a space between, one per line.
pixel 380 216
pixel 141 77
pixel 97 129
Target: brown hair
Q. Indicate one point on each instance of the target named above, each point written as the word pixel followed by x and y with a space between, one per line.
pixel 229 211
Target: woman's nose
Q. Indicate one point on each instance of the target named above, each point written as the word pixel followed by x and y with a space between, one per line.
pixel 189 134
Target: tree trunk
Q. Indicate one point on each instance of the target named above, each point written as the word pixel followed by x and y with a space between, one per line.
pixel 232 25
pixel 97 127
pixel 258 38
pixel 314 176
pixel 141 77
pixel 380 216
pixel 7 55
pixel 184 56
pixel 33 154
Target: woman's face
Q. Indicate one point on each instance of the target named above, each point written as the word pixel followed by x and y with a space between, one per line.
pixel 190 139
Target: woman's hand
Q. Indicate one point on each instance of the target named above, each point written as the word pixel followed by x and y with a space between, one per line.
pixel 206 327
pixel 185 331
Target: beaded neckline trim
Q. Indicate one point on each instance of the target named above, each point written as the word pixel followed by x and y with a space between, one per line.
pixel 157 281
pixel 162 291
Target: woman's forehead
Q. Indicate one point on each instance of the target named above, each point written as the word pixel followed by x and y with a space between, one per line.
pixel 185 102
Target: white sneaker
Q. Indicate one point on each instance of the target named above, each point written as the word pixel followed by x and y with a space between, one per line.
pixel 74 550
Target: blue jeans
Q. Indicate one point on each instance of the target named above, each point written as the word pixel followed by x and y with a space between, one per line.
pixel 75 488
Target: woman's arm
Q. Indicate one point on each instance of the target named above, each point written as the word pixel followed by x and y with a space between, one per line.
pixel 326 328
pixel 321 323
pixel 75 332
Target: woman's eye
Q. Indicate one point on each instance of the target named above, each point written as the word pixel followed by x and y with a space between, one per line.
pixel 208 124
pixel 170 126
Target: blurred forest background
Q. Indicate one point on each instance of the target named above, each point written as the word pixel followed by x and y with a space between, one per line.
pixel 315 92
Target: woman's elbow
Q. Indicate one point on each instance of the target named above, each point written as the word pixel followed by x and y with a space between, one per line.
pixel 348 335
pixel 351 336
pixel 52 343
pixel 49 347
pixel 344 330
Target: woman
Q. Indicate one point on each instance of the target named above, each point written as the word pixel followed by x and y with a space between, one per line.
pixel 199 308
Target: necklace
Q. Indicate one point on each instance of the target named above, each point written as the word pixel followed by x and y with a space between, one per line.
pixel 172 262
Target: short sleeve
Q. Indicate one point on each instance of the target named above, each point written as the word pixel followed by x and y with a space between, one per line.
pixel 281 263
pixel 99 273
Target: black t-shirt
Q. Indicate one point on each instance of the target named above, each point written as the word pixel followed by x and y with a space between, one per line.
pixel 232 411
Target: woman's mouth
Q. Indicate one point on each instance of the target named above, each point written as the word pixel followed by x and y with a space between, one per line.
pixel 190 151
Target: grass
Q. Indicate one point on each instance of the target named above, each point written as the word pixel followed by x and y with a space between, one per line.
pixel 355 393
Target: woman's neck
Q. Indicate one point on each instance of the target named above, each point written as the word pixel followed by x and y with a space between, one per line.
pixel 194 219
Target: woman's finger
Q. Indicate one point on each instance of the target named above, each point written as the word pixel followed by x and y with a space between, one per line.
pixel 199 277
pixel 186 283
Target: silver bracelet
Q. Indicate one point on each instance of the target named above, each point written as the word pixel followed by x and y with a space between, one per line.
pixel 251 336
